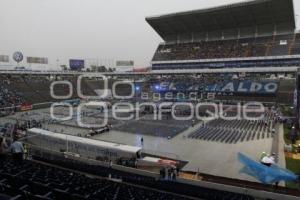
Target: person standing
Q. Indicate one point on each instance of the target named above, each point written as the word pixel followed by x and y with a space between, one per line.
pixel 193 122
pixel 17 151
pixel 3 148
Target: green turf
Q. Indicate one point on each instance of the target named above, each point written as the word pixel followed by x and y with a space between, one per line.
pixel 294 166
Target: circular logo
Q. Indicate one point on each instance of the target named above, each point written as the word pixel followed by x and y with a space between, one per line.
pixel 18 56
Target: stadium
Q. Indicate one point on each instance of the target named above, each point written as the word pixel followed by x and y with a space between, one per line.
pixel 216 116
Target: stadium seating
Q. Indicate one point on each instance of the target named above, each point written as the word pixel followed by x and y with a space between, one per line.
pixel 36 89
pixel 285 91
pixel 234 131
pixel 246 47
pixel 206 83
pixel 34 180
pixel 9 97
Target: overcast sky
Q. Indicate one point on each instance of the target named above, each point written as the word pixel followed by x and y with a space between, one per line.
pixel 96 29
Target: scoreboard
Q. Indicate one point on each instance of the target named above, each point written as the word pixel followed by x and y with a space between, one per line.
pixel 76 64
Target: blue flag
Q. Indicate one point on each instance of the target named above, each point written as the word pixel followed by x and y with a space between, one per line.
pixel 265 174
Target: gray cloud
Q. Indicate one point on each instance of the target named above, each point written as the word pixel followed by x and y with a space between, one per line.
pixel 100 29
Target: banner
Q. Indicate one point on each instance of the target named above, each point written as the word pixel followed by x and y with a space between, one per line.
pixel 246 87
pixel 141 70
pixel 231 87
pixel 125 63
pixel 26 107
pixel 37 60
pixel 4 58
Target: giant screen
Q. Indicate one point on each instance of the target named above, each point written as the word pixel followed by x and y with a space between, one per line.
pixel 76 64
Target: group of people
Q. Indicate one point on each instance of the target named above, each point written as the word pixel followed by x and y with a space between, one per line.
pixel 213 49
pixel 169 173
pixel 27 124
pixel 15 148
pixel 9 98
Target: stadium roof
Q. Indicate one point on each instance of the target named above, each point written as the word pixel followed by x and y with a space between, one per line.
pixel 266 15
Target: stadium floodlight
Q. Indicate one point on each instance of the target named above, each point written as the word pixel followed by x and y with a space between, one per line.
pixel 137 88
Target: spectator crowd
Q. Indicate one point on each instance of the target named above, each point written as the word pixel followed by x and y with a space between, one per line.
pixel 246 47
pixel 9 98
